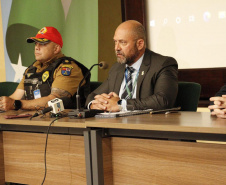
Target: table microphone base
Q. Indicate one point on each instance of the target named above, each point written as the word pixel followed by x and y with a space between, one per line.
pixel 86 113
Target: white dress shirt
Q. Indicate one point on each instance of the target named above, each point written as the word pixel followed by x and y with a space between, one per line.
pixel 136 66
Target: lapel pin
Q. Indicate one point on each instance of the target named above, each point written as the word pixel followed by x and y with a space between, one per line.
pixel 142 73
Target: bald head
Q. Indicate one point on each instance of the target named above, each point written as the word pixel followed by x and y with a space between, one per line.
pixel 133 28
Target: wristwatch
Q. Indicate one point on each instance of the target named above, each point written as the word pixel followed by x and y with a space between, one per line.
pixel 120 105
pixel 119 102
pixel 17 104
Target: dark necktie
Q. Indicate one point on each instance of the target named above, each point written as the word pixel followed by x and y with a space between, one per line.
pixel 127 94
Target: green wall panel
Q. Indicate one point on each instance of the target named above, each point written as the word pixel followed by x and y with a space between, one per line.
pixel 26 18
pixel 81 33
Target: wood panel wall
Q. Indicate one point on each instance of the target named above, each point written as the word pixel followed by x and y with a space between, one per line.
pixel 109 17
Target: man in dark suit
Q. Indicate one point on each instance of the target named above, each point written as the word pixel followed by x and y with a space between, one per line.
pixel 152 82
pixel 218 103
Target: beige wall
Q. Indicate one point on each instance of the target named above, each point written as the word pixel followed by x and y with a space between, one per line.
pixel 109 17
pixel 2 58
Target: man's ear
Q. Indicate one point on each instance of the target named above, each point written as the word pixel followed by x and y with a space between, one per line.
pixel 140 44
pixel 57 49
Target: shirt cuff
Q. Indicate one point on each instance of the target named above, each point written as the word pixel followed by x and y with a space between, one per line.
pixel 88 106
pixel 124 104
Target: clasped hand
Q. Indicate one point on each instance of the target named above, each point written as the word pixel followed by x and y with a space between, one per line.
pixel 107 102
pixel 219 107
pixel 6 103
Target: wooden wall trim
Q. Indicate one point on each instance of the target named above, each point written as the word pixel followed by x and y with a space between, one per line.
pixel 210 79
pixel 133 10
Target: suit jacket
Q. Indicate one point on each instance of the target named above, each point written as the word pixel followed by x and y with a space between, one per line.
pixel 157 83
pixel 222 91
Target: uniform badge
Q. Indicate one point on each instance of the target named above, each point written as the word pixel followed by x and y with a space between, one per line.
pixel 45 76
pixel 43 30
pixel 29 74
pixel 66 70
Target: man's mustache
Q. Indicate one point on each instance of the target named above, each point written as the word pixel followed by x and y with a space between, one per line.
pixel 119 52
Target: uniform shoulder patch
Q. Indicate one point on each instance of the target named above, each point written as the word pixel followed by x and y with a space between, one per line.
pixel 66 70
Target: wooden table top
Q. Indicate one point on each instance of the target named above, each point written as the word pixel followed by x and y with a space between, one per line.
pixel 201 122
pixel 40 120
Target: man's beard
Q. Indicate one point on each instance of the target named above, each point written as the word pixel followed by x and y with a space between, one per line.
pixel 127 59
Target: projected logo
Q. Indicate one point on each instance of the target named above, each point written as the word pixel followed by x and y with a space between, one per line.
pixel 221 15
pixel 178 20
pixel 165 21
pixel 191 18
pixel 206 16
pixel 152 23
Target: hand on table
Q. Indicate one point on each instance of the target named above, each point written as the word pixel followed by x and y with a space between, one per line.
pixel 107 102
pixel 219 107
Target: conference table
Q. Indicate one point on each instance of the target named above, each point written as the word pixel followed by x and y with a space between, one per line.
pixel 159 149
pixel 23 146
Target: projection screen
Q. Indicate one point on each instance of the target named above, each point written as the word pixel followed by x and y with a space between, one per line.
pixel 193 32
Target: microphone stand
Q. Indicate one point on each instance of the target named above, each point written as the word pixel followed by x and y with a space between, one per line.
pixel 78 113
pixel 78 101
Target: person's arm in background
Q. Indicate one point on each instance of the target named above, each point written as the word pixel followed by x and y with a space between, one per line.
pixel 218 103
pixel 222 91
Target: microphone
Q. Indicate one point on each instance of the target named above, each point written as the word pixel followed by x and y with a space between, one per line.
pixel 45 110
pixel 55 106
pixel 78 113
pixel 103 65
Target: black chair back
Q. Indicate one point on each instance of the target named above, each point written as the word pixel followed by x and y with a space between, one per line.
pixel 188 96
